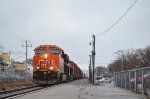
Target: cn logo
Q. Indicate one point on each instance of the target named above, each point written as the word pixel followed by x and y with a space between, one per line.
pixel 52 62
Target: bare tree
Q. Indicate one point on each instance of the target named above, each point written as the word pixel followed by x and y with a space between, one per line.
pixel 130 59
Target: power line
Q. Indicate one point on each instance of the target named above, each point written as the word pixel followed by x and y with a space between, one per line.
pixel 118 19
pixel 5 31
pixel 12 52
pixel 8 35
pixel 4 49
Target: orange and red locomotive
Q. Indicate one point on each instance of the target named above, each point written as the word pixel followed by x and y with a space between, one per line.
pixel 51 65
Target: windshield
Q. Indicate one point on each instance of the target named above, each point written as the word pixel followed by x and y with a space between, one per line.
pixel 40 51
pixel 54 51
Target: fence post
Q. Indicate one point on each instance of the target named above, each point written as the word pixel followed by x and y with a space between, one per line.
pixel 114 78
pixel 142 82
pixel 129 80
pixel 144 86
pixel 125 76
pixel 135 80
pixel 119 79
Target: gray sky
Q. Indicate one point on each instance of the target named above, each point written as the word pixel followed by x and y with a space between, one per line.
pixel 71 23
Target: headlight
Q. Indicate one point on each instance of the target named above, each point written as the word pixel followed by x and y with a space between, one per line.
pixel 37 67
pixel 45 55
pixel 51 68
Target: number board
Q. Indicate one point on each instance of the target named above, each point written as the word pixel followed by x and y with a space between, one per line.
pixel 53 47
pixel 42 46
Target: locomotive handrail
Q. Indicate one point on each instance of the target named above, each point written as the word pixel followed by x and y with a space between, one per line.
pixel 47 62
pixel 52 63
pixel 36 66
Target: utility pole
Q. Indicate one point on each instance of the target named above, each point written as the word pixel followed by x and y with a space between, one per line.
pixel 26 45
pixel 93 56
pixel 90 76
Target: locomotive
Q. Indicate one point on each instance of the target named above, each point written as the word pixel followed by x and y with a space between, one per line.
pixel 51 65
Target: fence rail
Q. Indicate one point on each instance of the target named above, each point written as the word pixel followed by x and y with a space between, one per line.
pixel 137 80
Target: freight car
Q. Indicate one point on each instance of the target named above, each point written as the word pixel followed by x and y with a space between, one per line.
pixel 51 65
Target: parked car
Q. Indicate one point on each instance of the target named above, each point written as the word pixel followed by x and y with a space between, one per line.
pixel 103 80
pixel 146 78
pixel 107 80
pixel 98 77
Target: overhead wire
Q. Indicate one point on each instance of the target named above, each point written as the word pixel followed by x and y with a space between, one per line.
pixel 5 31
pixel 10 36
pixel 16 54
pixel 121 17
pixel 4 49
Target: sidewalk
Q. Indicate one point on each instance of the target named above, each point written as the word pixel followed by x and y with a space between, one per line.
pixel 108 91
pixel 81 89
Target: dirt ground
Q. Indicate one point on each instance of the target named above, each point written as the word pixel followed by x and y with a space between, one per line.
pixel 11 85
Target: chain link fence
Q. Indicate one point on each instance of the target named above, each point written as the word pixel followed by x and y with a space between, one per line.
pixel 9 76
pixel 137 80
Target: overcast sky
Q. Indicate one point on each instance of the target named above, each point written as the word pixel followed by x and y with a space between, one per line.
pixel 70 25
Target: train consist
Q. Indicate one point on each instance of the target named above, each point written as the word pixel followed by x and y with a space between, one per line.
pixel 51 65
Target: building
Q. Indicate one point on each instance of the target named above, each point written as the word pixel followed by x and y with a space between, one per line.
pixel 4 66
pixel 5 56
pixel 19 66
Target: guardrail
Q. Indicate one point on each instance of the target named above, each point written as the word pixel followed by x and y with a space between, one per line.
pixel 137 80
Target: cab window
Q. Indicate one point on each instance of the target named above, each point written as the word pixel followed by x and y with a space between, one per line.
pixel 54 51
pixel 40 51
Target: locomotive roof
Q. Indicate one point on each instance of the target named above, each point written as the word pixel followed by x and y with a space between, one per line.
pixel 47 47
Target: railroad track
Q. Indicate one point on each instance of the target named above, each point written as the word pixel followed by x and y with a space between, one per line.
pixel 10 94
